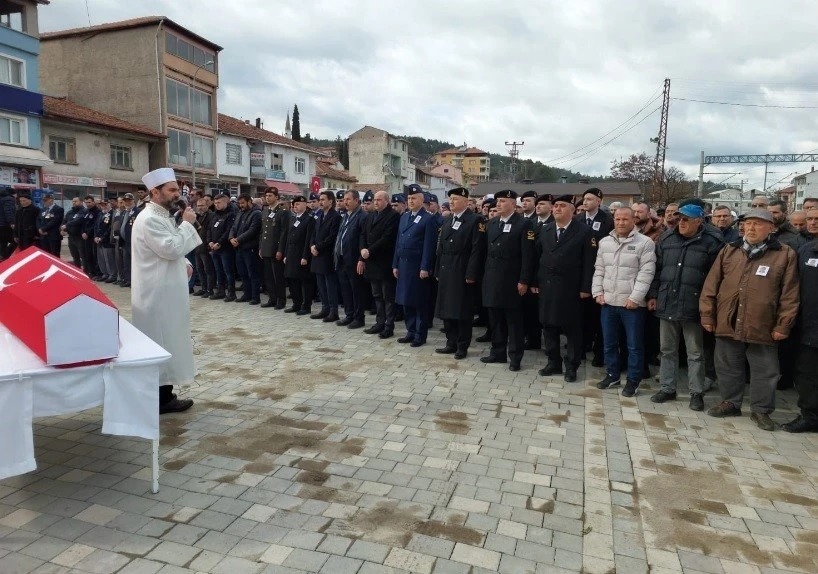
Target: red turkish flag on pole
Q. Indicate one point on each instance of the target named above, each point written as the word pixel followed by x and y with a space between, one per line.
pixel 315 183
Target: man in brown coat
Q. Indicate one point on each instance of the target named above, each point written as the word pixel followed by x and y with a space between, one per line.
pixel 750 301
pixel 648 225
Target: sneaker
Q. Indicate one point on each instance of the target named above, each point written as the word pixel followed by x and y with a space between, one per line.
pixel 763 421
pixel 608 382
pixel 631 388
pixel 696 402
pixel 724 409
pixel 663 396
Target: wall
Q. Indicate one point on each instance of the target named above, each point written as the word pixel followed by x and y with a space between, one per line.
pixel 366 155
pixel 232 170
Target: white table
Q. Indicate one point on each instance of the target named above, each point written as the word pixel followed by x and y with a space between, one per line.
pixel 127 387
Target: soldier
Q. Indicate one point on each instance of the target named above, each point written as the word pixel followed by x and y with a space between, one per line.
pixel 461 255
pixel 125 237
pixel 224 255
pixel 413 264
pixel 566 251
pixel 48 225
pixel 528 202
pixel 297 258
pixel 377 250
pixel 275 222
pixel 543 210
pixel 399 203
pixel 508 274
pixel 366 201
pixel 321 248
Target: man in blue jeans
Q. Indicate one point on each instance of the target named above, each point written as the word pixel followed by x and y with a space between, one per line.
pixel 624 268
pixel 244 238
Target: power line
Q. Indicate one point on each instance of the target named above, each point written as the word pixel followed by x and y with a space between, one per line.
pixel 748 105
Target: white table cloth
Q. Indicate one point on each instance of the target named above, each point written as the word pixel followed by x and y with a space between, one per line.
pixel 127 387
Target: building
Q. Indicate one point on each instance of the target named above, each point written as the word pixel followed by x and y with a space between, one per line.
pixel 474 163
pixel 624 191
pixel 332 174
pixel 21 102
pixel 147 71
pixel 788 195
pixel 806 185
pixel 432 182
pixel 447 170
pixel 376 156
pixel 93 153
pixel 736 199
pixel 255 158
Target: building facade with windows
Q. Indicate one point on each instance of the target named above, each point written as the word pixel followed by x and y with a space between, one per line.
pixel 806 186
pixel 21 103
pixel 474 163
pixel 158 74
pixel 376 156
pixel 92 153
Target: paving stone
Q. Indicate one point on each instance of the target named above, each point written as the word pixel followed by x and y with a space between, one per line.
pixel 411 561
pixel 341 565
pixel 368 551
pixel 306 560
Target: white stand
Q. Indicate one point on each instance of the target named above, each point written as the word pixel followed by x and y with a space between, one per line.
pixel 155 462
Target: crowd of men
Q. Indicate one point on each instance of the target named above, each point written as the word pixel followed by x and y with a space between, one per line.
pixel 734 298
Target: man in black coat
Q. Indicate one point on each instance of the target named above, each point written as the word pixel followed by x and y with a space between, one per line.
pixel 600 223
pixel 461 255
pixel 566 252
pixel 354 287
pixel 25 222
pixel 89 253
pixel 322 246
pixel 275 222
pixel 222 251
pixel 8 208
pixel 244 237
pixel 73 223
pixel 508 275
pixel 378 240
pixel 49 221
pixel 297 258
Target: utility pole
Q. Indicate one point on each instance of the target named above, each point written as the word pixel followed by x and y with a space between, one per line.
pixel 513 153
pixel 701 177
pixel 766 165
pixel 661 143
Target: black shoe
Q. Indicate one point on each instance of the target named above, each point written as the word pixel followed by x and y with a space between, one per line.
pixel 268 304
pixel 331 318
pixel 598 361
pixel 230 298
pixel 492 359
pixel 696 402
pixel 484 338
pixel 406 339
pixel 570 375
pixel 663 396
pixel 447 350
pixel 175 405
pixel 199 293
pixel 206 294
pixel 302 312
pixel 608 382
pixel 514 367
pixel 243 299
pixel 321 315
pixel 291 310
pixel 801 424
pixel 111 280
pixel 280 306
pixel 374 329
pixel 344 322
pixel 417 343
pixel 631 388
pixel 461 354
pixel 357 324
pixel 254 302
pixel 550 369
pixel 386 333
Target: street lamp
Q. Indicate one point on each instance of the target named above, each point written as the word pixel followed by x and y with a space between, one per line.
pixel 192 122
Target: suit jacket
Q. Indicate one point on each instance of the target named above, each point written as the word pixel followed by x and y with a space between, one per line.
pixel 349 234
pixel 415 252
pixel 509 260
pixel 564 269
pixel 461 255
pixel 50 220
pixel 601 226
pixel 323 237
pixel 379 236
pixel 274 226
pixel 247 228
pixel 298 247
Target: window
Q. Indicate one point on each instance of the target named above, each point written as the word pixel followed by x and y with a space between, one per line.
pixel 179 147
pixel 472 162
pixel 404 147
pixel 233 154
pixel 120 157
pixel 300 165
pixel 12 72
pixel 445 170
pixel 276 162
pixel 11 16
pixel 181 100
pixel 204 151
pixel 62 150
pixel 187 51
pixel 12 131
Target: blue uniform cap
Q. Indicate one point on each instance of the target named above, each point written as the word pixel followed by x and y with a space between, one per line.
pixel 339 194
pixel 412 189
pixel 433 197
pixel 427 197
pixel 398 198
pixel 368 196
pixel 313 196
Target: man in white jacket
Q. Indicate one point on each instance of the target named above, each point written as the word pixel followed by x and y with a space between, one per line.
pixel 625 263
pixel 159 276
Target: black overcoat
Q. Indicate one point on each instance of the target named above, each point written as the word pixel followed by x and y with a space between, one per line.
pixel 461 256
pixel 509 260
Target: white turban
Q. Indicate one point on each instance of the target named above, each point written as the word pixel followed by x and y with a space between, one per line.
pixel 158 177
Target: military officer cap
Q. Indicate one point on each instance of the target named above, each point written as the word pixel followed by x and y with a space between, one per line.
pixel 368 196
pixel 564 198
pixel 412 189
pixel 529 193
pixel 461 191
pixel 299 199
pixel 313 196
pixel 128 196
pixel 545 197
pixel 433 198
pixel 427 197
pixel 398 198
pixel 48 195
pixel 593 191
pixel 445 204
pixel 507 194
pixel 490 202
pixel 339 194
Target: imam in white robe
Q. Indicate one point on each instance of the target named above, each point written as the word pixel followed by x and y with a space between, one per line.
pixel 159 287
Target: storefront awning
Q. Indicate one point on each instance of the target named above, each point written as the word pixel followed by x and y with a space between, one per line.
pixel 23 156
pixel 284 187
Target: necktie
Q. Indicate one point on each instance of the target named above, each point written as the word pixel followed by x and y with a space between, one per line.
pixel 589 221
pixel 339 250
pixel 559 233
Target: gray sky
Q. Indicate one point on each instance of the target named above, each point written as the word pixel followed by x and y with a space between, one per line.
pixel 557 75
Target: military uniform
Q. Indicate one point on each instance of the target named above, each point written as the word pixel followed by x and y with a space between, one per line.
pixel 49 220
pixel 275 223
pixel 296 249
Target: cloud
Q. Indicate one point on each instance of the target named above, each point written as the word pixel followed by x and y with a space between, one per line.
pixel 556 75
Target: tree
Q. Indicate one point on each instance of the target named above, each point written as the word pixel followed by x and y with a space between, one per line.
pixel 296 124
pixel 343 153
pixel 638 168
pixel 307 139
pixel 675 187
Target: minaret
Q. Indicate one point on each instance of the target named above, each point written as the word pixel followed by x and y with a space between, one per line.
pixel 288 132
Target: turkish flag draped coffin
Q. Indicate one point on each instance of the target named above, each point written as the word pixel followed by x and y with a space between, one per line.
pixel 56 310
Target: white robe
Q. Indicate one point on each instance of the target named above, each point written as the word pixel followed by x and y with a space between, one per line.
pixel 159 291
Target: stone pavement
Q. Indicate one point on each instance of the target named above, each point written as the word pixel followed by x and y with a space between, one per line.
pixel 313 448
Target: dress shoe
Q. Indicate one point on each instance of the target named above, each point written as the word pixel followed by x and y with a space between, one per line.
pixel 514 367
pixel 217 295
pixel 321 315
pixel 386 333
pixel 111 280
pixel 206 294
pixel 484 338
pixel 291 310
pixel 190 290
pixel 302 312
pixel 608 382
pixel 550 369
pixel 663 396
pixel 696 402
pixel 763 421
pixel 267 305
pixel 243 299
pixel 331 318
pixel 570 375
pixel 447 350
pixel 724 409
pixel 406 339
pixel 801 424
pixel 254 302
pixel 175 405
pixel 461 354
pixel 374 329
pixel 492 359
pixel 198 293
pixel 417 343
pixel 344 322
pixel 280 306
pixel 230 298
pixel 356 324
